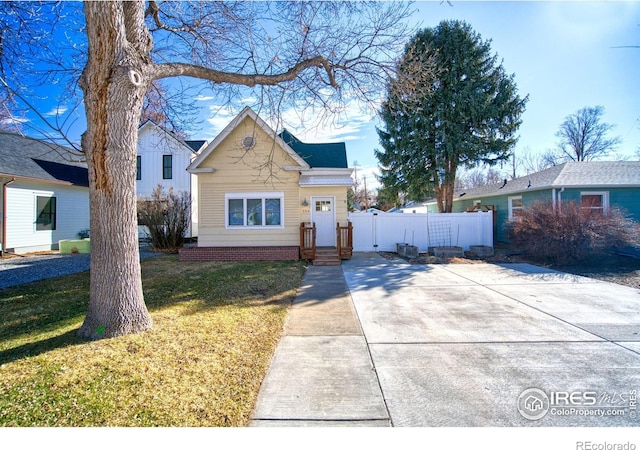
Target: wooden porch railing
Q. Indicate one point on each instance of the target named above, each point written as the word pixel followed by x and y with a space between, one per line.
pixel 307 240
pixel 345 240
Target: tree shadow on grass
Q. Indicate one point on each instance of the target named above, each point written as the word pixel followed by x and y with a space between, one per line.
pixel 39 347
pixel 242 285
pixel 34 311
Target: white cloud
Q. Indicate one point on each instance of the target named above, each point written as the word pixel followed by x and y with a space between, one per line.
pixel 313 127
pixel 307 124
pixel 219 117
pixel 55 112
pixel 248 100
pixel 203 98
pixel 11 120
pixel 370 174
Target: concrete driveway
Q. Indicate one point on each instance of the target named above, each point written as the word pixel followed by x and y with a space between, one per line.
pixel 461 345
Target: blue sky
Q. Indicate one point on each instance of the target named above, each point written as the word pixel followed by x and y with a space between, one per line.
pixel 563 55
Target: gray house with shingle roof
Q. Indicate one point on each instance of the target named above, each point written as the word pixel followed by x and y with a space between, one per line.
pixel 45 194
pixel 595 184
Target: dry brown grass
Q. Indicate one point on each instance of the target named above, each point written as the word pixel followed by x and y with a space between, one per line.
pixel 216 326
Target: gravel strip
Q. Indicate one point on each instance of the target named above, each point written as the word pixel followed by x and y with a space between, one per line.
pixel 25 269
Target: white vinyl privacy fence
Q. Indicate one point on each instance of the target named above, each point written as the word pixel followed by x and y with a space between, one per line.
pixel 381 232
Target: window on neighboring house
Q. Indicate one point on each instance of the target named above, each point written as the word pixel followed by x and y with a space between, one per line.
pixel 167 167
pixel 138 167
pixel 46 213
pixel 515 207
pixel 595 202
pixel 254 210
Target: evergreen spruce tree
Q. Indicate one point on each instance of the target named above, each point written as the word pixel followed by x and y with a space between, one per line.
pixel 450 105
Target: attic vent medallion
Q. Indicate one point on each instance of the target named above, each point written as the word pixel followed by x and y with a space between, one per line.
pixel 248 142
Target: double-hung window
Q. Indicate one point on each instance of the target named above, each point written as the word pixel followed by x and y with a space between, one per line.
pixel 167 167
pixel 595 202
pixel 515 207
pixel 254 210
pixel 45 213
pixel 138 168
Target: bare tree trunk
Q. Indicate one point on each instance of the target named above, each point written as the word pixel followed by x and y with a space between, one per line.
pixel 114 83
pixel 119 72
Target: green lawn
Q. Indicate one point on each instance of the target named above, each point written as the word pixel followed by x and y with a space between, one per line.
pixel 215 328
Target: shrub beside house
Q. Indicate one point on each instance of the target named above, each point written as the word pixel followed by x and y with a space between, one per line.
pixel 571 232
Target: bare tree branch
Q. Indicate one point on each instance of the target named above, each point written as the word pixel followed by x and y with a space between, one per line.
pixel 583 136
pixel 303 55
pixel 250 80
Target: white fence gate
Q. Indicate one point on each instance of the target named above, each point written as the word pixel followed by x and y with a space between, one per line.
pixel 381 232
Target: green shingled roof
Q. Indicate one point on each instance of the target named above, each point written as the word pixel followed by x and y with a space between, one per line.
pixel 329 155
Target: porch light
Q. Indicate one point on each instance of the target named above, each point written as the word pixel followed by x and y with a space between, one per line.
pixel 304 202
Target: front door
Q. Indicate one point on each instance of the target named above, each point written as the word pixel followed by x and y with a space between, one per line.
pixel 324 215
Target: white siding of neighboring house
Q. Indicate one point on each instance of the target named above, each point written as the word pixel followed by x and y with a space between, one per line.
pixel 72 215
pixel 153 143
pixel 417 209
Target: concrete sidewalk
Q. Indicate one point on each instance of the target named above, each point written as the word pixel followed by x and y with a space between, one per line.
pixel 385 343
pixel 321 373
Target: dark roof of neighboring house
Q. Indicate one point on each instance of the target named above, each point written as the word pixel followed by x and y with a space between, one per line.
pixel 195 145
pixel 333 155
pixel 24 157
pixel 585 174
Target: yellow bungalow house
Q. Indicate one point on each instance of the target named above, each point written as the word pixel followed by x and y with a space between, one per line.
pixel 269 196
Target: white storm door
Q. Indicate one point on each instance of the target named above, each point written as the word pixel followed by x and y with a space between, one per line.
pixel 324 215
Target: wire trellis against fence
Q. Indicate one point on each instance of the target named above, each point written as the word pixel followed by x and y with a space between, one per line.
pixel 440 234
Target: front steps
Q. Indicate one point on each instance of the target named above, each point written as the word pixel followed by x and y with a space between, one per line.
pixel 327 256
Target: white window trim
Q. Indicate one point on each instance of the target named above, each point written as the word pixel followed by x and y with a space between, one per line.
pixel 49 195
pixel 511 207
pixel 605 199
pixel 253 195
